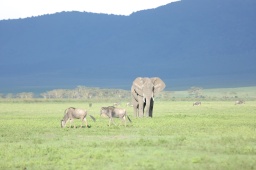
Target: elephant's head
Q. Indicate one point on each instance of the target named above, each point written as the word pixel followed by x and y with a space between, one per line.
pixel 147 88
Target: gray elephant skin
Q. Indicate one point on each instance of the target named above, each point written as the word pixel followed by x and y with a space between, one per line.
pixel 143 91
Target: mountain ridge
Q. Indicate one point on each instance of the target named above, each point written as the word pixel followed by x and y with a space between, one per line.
pixel 186 43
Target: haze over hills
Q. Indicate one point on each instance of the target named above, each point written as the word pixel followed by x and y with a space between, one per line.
pixel 187 43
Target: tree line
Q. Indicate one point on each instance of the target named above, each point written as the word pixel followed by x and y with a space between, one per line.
pixel 80 92
pixel 94 93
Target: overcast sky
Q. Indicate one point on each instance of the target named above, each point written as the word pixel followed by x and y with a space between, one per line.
pixel 13 9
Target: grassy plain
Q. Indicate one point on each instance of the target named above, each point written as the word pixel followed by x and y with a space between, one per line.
pixel 243 93
pixel 215 135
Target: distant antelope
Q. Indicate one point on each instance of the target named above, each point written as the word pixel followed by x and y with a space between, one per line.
pixel 239 102
pixel 197 104
pixel 74 113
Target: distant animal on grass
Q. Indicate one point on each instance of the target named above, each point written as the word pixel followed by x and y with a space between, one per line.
pixel 239 102
pixel 197 104
pixel 90 104
pixel 113 112
pixel 74 113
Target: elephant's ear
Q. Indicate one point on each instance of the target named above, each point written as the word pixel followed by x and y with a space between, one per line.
pixel 159 85
pixel 138 85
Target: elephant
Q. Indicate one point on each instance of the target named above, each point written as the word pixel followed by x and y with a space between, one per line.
pixel 143 91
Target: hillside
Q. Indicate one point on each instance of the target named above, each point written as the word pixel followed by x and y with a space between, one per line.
pixel 188 43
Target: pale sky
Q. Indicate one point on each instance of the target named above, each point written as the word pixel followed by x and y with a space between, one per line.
pixel 13 9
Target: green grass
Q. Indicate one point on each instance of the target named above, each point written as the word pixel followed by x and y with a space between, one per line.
pixel 246 93
pixel 215 135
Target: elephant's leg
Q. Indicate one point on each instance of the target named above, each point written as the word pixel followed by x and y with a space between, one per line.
pixel 146 109
pixel 135 106
pixel 151 108
pixel 141 108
